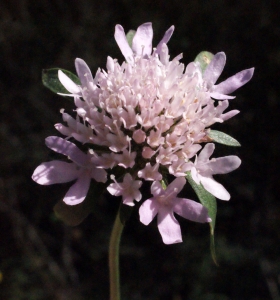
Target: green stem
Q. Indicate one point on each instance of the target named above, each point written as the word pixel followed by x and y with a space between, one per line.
pixel 114 258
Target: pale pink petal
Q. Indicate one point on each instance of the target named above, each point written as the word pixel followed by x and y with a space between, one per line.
pixel 165 38
pixel 176 186
pixel 128 200
pixel 78 191
pixel 110 65
pixel 63 129
pixel 234 82
pixel 195 175
pixel 67 148
pixel 142 41
pixel 127 179
pixel 214 188
pixel 191 210
pixel 55 171
pixel 223 165
pixel 139 136
pixel 68 83
pixel 137 196
pixel 123 44
pixel 148 211
pixel 83 72
pixel 168 226
pixel 215 68
pixel 114 189
pixel 205 153
pixel 219 96
pixel 150 172
pixel 100 175
pixel 229 114
pixel 156 188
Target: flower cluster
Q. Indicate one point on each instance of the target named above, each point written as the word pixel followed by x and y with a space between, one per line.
pixel 147 117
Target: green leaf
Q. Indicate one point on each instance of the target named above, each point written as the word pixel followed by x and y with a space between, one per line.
pixel 210 202
pixel 204 58
pixel 51 81
pixel 73 215
pixel 129 36
pixel 222 138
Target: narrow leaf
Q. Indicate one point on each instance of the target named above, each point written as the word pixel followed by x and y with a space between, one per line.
pixel 129 36
pixel 222 138
pixel 204 58
pixel 51 81
pixel 208 201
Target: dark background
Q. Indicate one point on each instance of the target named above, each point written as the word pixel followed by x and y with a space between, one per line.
pixel 43 259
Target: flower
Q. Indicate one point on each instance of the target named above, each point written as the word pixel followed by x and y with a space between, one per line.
pixel 148 111
pixel 145 120
pixel 213 72
pixel 203 169
pixel 128 189
pixel 164 203
pixel 81 170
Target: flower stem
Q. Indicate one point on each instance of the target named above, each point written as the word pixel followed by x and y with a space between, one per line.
pixel 114 259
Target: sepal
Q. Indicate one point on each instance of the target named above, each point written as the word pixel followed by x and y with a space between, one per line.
pixel 209 202
pixel 51 81
pixel 204 58
pixel 129 36
pixel 222 138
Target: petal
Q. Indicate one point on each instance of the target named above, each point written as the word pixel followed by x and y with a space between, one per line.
pixel 148 211
pixel 142 41
pixel 229 114
pixel 214 69
pixel 219 96
pixel 78 191
pixel 69 149
pixel 195 175
pixel 100 175
pixel 70 85
pixel 128 200
pixel 175 186
pixel 214 188
pixel 168 227
pixel 223 165
pixel 115 189
pixel 234 82
pixel 127 179
pixel 123 44
pixel 55 171
pixel 83 72
pixel 191 210
pixel 156 188
pixel 205 153
pixel 165 39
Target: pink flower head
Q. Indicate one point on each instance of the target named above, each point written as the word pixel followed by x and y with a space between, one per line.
pixel 128 189
pixel 81 170
pixel 145 119
pixel 164 203
pixel 203 169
